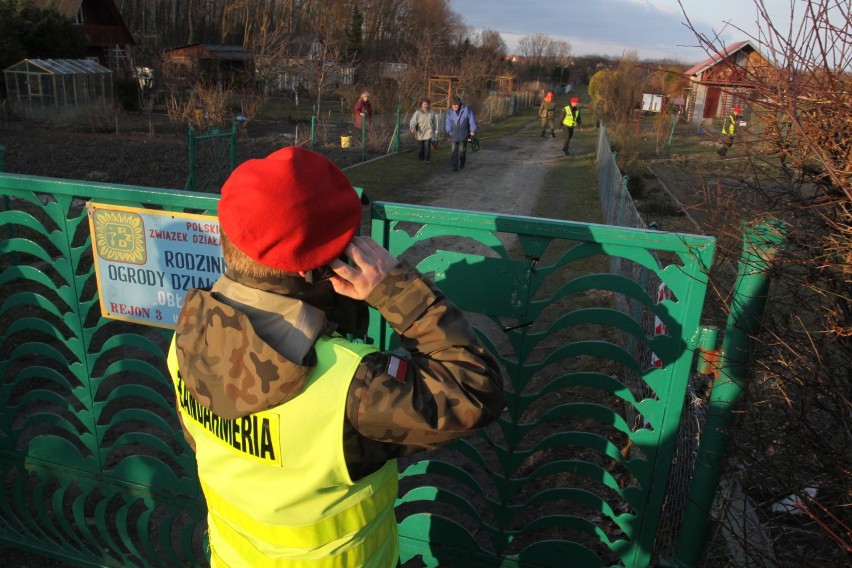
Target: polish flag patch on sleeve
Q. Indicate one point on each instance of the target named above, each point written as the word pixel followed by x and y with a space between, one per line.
pixel 397 368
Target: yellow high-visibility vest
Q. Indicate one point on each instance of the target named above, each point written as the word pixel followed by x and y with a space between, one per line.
pixel 277 487
pixel 570 116
pixel 730 125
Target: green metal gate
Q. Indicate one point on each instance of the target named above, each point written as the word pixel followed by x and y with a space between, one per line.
pixel 96 471
pixel 212 158
pixel 566 473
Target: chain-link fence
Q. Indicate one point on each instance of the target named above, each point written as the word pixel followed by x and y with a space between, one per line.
pixel 618 208
pixel 388 131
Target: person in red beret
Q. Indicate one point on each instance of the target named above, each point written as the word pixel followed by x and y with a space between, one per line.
pixel 570 119
pixel 547 114
pixel 729 129
pixel 295 422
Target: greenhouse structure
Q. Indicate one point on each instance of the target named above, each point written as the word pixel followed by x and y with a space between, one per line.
pixel 54 88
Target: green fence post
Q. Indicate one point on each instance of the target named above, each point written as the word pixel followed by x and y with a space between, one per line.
pixel 364 138
pixel 233 145
pixel 191 179
pixel 313 130
pixel 707 353
pixel 761 243
pixel 671 135
pixel 7 203
pixel 397 131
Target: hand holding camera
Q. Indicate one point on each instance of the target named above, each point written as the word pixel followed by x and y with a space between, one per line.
pixel 369 264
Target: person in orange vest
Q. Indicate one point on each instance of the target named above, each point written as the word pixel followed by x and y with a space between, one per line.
pixel 729 129
pixel 570 119
pixel 547 114
pixel 296 421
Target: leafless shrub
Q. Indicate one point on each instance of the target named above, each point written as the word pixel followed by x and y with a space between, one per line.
pixel 794 438
pixel 616 96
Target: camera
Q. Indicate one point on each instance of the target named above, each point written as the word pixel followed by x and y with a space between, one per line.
pixel 322 273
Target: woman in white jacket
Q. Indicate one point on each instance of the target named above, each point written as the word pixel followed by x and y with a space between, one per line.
pixel 424 127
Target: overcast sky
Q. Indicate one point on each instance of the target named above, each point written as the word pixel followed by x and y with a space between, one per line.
pixel 654 28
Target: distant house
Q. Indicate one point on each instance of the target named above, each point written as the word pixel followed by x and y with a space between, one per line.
pixel 393 70
pixel 504 84
pixel 217 63
pixel 722 81
pixel 107 38
pixel 299 61
pixel 653 102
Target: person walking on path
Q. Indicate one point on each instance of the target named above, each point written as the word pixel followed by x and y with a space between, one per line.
pixel 570 119
pixel 729 129
pixel 424 127
pixel 547 114
pixel 295 427
pixel 460 125
pixel 363 111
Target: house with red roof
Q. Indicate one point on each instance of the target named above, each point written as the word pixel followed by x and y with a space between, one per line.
pixel 107 37
pixel 724 81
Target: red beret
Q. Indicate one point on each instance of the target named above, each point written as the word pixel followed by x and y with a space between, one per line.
pixel 575 100
pixel 293 210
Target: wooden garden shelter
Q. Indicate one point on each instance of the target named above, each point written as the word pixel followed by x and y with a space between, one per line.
pixel 442 88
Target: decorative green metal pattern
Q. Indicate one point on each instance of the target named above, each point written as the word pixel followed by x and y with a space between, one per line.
pixel 95 470
pixel 564 474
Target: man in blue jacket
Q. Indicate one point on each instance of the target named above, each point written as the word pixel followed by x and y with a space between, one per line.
pixel 460 125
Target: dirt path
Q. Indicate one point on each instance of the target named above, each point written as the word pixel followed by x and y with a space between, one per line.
pixel 504 176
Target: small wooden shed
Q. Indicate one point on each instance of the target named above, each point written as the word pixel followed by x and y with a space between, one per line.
pixel 723 81
pixel 221 63
pixel 441 89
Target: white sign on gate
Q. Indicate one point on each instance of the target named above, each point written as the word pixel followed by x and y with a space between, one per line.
pixel 146 260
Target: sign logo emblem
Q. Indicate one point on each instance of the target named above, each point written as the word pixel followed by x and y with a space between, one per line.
pixel 120 236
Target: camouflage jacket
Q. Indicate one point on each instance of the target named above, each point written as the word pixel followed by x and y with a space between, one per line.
pixel 547 109
pixel 247 345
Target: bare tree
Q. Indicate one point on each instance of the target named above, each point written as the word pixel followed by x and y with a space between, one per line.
pixel 668 81
pixel 795 439
pixel 616 94
pixel 559 57
pixel 425 59
pixel 534 49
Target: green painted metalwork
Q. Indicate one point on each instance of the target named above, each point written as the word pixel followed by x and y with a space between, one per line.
pixel 364 139
pixel 96 471
pixel 564 474
pixel 762 241
pixel 212 158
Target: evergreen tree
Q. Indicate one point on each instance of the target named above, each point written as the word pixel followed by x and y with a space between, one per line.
pixel 355 33
pixel 30 32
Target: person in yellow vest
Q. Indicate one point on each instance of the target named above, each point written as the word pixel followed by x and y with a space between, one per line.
pixel 295 425
pixel 729 129
pixel 570 119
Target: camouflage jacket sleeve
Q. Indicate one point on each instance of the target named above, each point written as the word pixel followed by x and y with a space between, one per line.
pixel 450 385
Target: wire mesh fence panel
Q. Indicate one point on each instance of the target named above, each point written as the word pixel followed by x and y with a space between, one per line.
pixel 619 209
